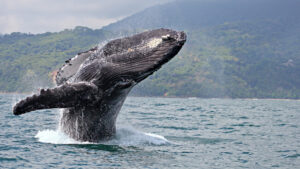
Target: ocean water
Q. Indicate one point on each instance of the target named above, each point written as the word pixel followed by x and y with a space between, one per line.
pixel 161 133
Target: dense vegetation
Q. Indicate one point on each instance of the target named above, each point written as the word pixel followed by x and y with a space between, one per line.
pixel 235 49
pixel 27 60
pixel 232 60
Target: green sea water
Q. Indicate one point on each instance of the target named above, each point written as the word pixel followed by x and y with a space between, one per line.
pixel 161 133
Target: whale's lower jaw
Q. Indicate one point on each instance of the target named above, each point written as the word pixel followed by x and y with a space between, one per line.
pixel 94 124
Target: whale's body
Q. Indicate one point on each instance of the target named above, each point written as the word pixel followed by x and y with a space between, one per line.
pixel 93 85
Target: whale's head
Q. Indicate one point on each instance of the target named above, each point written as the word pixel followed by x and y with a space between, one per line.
pixel 134 58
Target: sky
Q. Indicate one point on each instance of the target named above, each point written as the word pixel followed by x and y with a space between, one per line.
pixel 39 16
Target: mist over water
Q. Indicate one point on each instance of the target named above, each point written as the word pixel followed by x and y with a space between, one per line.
pixel 161 133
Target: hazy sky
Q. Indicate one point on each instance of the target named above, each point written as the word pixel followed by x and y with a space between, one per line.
pixel 38 16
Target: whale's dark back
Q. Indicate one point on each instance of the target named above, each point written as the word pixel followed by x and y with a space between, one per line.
pixel 136 53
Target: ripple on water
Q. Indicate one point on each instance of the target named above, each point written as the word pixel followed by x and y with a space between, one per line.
pixel 198 140
pixel 12 159
pixel 200 133
pixel 8 159
pixel 176 127
pixel 160 104
pixel 293 156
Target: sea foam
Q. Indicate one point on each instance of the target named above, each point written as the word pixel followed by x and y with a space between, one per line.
pixel 125 136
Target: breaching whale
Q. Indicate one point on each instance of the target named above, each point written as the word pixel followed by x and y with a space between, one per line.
pixel 92 86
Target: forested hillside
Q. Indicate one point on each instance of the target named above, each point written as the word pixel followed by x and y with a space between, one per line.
pixel 235 49
pixel 27 60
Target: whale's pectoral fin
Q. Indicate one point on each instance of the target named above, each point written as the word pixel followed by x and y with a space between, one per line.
pixel 64 96
pixel 71 66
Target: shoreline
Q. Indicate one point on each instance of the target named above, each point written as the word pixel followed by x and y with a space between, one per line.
pixel 179 97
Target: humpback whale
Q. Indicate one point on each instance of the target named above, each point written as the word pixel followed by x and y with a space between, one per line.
pixel 92 86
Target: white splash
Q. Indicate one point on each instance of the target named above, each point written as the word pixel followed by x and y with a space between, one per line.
pixel 54 137
pixel 124 137
pixel 127 136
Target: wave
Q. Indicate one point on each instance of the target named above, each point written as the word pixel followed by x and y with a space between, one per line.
pixel 125 136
